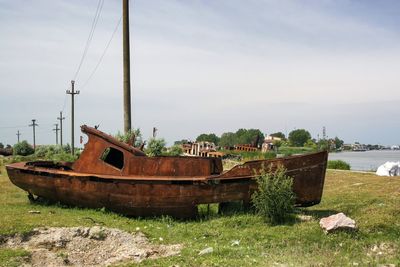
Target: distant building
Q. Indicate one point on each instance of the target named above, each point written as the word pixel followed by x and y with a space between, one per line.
pixel 245 147
pixel 269 143
pixel 201 149
pixel 355 147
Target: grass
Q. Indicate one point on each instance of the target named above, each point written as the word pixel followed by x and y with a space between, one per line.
pixel 291 150
pixel 372 201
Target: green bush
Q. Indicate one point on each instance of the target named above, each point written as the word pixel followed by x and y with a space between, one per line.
pixel 338 165
pixel 55 153
pixel 126 137
pixel 23 149
pixel 155 147
pixel 274 200
pixel 174 151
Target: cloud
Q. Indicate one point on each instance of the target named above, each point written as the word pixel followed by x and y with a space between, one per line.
pixel 205 66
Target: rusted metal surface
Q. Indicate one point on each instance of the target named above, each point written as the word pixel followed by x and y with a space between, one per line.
pixel 133 184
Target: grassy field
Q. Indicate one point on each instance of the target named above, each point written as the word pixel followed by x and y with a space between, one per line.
pixel 242 239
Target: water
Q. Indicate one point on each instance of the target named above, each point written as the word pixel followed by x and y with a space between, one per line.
pixel 368 160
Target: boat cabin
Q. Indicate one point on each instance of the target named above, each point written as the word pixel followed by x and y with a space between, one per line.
pixel 103 154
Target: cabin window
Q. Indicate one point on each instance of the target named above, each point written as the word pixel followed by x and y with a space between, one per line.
pixel 114 157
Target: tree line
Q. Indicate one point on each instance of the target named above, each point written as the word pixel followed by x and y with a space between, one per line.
pixel 296 138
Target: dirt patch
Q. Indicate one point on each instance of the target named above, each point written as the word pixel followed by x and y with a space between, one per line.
pixel 86 246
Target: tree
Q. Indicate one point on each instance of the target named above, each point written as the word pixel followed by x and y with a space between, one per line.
pixel 155 147
pixel 181 142
pixel 175 150
pixel 299 137
pixel 279 135
pixel 1 145
pixel 208 138
pixel 277 144
pixel 23 149
pixel 310 143
pixel 249 136
pixel 227 139
pixel 338 143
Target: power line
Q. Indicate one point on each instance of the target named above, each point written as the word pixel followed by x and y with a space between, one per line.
pixel 13 127
pixel 104 52
pixel 90 37
pixel 65 102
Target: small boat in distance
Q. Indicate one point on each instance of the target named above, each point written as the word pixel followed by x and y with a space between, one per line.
pixel 123 179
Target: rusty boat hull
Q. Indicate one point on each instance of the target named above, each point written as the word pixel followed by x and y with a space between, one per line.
pixel 155 186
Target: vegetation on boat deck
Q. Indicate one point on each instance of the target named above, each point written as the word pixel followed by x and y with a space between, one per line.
pixel 239 238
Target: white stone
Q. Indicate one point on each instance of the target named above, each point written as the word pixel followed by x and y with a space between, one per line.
pixel 337 222
pixel 206 251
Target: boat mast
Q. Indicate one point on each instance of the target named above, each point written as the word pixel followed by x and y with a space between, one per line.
pixel 126 61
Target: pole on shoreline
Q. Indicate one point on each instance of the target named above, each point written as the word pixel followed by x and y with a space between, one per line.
pixel 18 135
pixel 33 125
pixel 72 93
pixel 61 118
pixel 126 67
pixel 56 130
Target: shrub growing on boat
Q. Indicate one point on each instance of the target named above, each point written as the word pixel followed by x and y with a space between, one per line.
pixel 55 153
pixel 274 200
pixel 338 165
pixel 155 147
pixel 23 149
pixel 126 137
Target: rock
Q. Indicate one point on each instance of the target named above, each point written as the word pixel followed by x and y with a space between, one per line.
pixel 235 243
pixel 337 222
pixel 206 251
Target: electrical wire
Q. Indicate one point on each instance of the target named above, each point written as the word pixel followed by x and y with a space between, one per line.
pixel 90 37
pixel 13 127
pixel 103 54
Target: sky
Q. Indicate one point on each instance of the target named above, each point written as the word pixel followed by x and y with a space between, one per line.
pixel 204 67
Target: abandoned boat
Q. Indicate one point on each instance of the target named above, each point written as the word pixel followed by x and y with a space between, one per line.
pixel 123 179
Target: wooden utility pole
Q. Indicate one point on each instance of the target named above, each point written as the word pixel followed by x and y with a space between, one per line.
pixel 61 118
pixel 18 135
pixel 56 130
pixel 126 68
pixel 33 125
pixel 72 93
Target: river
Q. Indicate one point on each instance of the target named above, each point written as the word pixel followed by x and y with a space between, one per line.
pixel 368 160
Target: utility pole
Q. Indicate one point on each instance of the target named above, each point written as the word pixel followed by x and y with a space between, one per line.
pixel 154 132
pixel 18 135
pixel 33 125
pixel 126 66
pixel 61 118
pixel 56 130
pixel 72 93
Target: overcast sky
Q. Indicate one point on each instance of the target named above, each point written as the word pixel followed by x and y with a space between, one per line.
pixel 205 66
